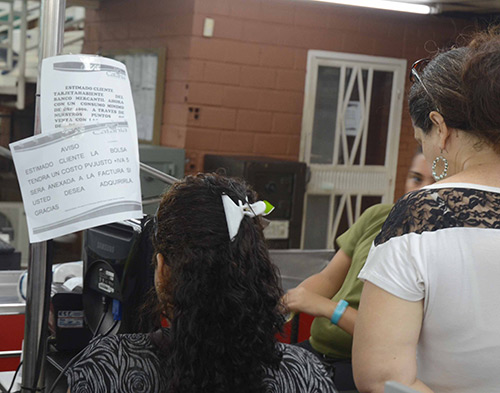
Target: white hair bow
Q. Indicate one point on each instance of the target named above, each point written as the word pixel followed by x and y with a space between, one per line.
pixel 235 212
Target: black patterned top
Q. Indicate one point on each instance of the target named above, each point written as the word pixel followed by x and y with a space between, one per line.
pixel 130 363
pixel 431 209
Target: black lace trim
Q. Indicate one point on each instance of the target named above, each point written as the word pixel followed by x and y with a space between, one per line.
pixel 430 210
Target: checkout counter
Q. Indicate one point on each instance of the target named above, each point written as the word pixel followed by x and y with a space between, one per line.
pixel 294 266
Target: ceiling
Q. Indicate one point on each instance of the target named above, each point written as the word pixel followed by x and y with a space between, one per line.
pixel 443 6
pixel 468 6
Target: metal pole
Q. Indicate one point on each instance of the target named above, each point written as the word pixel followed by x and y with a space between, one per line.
pixel 21 80
pixel 157 174
pixel 51 43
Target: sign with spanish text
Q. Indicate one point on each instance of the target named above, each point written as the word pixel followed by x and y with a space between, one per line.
pixel 77 90
pixel 83 169
pixel 78 178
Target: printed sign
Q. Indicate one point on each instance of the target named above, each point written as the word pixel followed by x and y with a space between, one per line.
pixel 83 169
pixel 352 118
pixel 78 178
pixel 77 90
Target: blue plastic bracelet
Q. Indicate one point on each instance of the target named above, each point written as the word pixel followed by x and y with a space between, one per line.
pixel 339 311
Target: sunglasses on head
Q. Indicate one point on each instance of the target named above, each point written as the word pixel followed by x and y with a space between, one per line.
pixel 155 224
pixel 415 71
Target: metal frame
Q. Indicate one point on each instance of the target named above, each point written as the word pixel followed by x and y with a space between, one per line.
pixel 10 354
pixel 51 44
pixel 8 26
pixel 21 81
pixel 91 4
pixel 27 13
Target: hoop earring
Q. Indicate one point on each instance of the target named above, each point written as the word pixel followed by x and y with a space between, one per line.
pixel 445 169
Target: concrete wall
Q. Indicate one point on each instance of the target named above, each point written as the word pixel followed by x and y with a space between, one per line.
pixel 241 91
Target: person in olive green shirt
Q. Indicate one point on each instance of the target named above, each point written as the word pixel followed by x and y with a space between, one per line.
pixel 320 294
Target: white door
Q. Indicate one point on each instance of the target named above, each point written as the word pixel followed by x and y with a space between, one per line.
pixel 350 139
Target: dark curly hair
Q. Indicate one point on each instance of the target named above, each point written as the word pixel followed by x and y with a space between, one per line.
pixel 222 297
pixel 463 84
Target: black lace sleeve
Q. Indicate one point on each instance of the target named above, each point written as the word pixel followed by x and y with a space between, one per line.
pixel 434 209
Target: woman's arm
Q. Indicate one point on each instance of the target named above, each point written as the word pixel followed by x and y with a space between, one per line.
pixel 313 295
pixel 328 282
pixel 324 284
pixel 302 300
pixel 385 341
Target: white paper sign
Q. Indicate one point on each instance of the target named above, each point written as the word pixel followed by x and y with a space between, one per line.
pixel 77 90
pixel 78 178
pixel 352 118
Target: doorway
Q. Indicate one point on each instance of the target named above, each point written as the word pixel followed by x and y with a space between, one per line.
pixel 350 139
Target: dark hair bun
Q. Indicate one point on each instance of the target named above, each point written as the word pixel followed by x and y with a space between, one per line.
pixel 481 81
pixel 463 84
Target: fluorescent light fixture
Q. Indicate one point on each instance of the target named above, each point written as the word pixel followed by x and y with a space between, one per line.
pixel 386 5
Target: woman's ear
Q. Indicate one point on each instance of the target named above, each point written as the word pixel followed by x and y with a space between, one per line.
pixel 442 129
pixel 162 275
pixel 161 268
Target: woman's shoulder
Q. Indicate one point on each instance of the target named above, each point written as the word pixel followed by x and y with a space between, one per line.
pixel 127 344
pixel 442 206
pixel 121 362
pixel 410 214
pixel 299 371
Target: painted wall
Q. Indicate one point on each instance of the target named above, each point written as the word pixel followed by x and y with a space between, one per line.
pixel 135 24
pixel 241 91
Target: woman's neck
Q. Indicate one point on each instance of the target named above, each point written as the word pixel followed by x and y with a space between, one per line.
pixel 480 167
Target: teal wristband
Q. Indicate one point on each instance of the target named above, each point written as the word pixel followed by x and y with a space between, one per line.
pixel 339 311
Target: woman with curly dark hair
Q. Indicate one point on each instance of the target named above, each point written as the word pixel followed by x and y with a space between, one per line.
pixel 220 292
